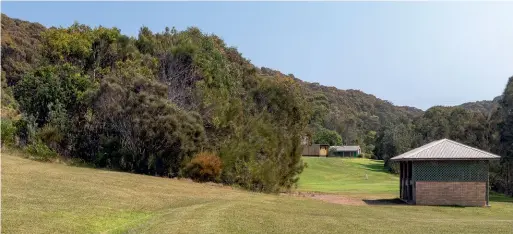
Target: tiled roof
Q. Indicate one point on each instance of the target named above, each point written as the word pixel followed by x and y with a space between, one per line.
pixel 445 149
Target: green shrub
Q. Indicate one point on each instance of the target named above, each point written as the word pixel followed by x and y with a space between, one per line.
pixel 204 167
pixel 365 155
pixel 26 129
pixel 8 131
pixel 50 135
pixel 40 151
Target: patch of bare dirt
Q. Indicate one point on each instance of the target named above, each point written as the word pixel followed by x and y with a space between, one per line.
pixel 331 198
pixel 347 200
pixel 337 199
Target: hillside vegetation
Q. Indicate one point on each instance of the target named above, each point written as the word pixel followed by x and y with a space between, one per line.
pixel 48 198
pixel 154 103
pixel 150 104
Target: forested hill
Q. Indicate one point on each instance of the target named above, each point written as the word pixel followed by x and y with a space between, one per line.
pixel 351 113
pixel 173 103
pixel 486 107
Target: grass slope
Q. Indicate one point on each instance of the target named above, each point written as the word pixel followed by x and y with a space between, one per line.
pixel 349 176
pixel 55 198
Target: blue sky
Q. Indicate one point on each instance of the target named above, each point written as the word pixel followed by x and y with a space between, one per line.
pixel 410 53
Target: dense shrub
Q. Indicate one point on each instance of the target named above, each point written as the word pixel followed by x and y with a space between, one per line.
pixel 8 132
pixel 148 104
pixel 40 151
pixel 26 129
pixel 326 136
pixel 203 167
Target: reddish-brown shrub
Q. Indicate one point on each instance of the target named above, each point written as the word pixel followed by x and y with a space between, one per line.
pixel 204 167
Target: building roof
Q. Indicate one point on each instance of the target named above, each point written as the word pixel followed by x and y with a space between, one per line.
pixel 445 149
pixel 346 148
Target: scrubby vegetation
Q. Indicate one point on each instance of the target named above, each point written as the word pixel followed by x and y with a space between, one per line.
pixel 149 104
pixel 204 167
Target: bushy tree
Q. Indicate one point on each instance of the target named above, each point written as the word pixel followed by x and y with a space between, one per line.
pixel 326 136
pixel 139 129
pixel 505 130
pixel 204 167
pixel 393 141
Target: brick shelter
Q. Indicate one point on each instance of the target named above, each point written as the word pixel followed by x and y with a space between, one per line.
pixel 445 172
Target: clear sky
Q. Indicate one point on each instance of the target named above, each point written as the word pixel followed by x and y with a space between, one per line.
pixel 410 53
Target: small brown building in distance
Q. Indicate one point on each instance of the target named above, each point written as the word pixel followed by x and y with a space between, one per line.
pixel 319 150
pixel 445 172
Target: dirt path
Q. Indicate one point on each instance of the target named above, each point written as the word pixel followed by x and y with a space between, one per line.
pixel 346 200
pixel 337 199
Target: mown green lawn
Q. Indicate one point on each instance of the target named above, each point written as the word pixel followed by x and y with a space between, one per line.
pixel 357 176
pixel 55 198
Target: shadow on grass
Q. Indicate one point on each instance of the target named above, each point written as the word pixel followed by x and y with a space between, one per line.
pixel 499 197
pixel 393 201
pixel 374 167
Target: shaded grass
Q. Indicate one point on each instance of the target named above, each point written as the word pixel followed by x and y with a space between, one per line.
pixel 54 198
pixel 498 197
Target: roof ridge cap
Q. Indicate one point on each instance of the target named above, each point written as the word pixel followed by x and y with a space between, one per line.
pixel 437 142
pixel 472 148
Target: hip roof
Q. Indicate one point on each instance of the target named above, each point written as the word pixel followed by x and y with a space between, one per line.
pixel 445 149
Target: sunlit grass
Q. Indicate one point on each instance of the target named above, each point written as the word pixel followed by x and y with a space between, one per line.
pixel 55 198
pixel 347 176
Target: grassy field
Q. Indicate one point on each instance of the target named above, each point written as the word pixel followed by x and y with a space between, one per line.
pixel 352 176
pixel 48 198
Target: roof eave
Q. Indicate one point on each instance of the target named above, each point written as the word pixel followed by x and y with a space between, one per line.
pixel 442 159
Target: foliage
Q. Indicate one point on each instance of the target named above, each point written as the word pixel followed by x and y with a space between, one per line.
pixel 204 167
pixel 504 122
pixel 139 129
pixel 26 129
pixel 394 140
pixel 325 136
pixel 148 104
pixel 455 123
pixel 21 46
pixel 265 153
pixel 7 131
pixel 485 107
pixel 9 108
pixel 40 151
pixel 51 86
pixel 350 113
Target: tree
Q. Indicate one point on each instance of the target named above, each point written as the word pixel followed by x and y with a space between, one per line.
pixel 326 136
pixel 505 127
pixel 393 141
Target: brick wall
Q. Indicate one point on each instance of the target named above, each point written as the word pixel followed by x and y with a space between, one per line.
pixel 451 193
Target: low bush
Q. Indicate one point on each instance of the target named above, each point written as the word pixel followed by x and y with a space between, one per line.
pixel 204 167
pixel 40 151
pixel 8 131
pixel 50 135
